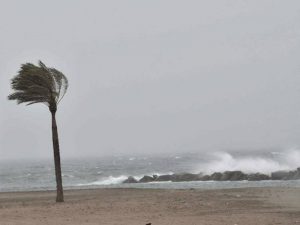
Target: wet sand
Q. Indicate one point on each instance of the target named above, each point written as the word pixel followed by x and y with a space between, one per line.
pixel 250 206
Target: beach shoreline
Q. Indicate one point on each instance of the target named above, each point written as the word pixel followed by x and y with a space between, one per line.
pixel 244 206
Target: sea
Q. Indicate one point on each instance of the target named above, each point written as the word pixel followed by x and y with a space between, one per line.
pixel 111 171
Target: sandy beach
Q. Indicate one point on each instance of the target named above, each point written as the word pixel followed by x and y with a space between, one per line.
pixel 250 206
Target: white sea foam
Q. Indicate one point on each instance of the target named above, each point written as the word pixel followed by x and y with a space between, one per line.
pixel 106 181
pixel 111 180
pixel 223 161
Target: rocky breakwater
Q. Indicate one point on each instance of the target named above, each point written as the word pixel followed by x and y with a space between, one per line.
pixel 218 176
pixel 286 175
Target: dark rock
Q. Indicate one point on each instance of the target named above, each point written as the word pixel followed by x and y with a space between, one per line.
pixel 205 178
pixel 297 174
pixel 293 175
pixel 186 177
pixel 130 180
pixel 258 176
pixel 165 178
pixel 233 176
pixel 155 177
pixel 225 176
pixel 279 175
pixel 216 176
pixel 146 179
pixel 238 175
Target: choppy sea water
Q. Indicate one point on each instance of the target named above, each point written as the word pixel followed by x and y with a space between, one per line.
pixel 109 172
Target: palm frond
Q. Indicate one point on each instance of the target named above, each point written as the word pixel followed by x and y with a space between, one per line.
pixel 38 84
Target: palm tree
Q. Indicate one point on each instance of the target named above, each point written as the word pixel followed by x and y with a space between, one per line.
pixel 41 84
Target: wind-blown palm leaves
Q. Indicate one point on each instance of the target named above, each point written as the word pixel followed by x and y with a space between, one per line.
pixel 41 84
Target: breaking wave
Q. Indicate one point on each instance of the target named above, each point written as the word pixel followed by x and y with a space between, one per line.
pixel 106 181
pixel 224 161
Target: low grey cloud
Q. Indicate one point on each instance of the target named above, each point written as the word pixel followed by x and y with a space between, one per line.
pixel 154 76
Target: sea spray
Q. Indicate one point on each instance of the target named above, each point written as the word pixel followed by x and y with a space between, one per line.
pixel 224 161
pixel 106 181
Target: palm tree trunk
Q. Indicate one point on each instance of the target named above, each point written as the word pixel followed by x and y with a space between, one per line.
pixel 59 186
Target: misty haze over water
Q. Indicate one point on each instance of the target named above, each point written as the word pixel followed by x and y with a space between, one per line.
pixel 112 171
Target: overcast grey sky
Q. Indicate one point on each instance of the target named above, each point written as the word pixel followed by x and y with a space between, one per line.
pixel 154 76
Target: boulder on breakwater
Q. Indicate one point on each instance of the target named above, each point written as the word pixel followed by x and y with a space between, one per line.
pixel 130 180
pixel 147 179
pixel 234 176
pixel 186 177
pixel 286 175
pixel 258 177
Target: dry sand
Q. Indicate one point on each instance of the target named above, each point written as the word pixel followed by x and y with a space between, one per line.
pixel 255 206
